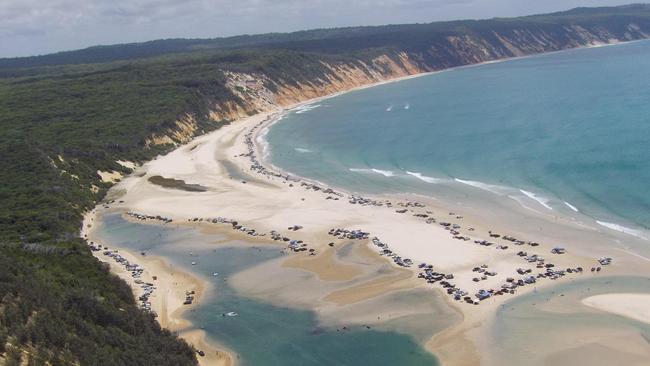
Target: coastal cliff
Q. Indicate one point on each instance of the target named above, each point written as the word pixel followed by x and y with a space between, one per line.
pixel 321 75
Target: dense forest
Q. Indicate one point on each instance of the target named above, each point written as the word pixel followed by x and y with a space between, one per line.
pixel 65 116
pixel 341 40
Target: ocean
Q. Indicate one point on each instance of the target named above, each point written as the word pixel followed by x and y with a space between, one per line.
pixel 566 133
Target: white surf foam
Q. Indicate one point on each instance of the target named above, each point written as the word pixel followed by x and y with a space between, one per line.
pixel 306 108
pixel 523 204
pixel 424 177
pixel 574 208
pixel 302 150
pixel 480 185
pixel 261 140
pixel 622 229
pixel 385 173
pixel 541 200
pixel 407 106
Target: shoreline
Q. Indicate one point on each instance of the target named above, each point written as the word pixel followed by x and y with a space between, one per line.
pixel 618 229
pixel 268 118
pixel 613 235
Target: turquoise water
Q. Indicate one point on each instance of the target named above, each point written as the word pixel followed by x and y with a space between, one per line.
pixel 261 334
pixel 570 129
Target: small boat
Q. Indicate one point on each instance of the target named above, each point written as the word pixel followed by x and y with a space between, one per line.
pixel 232 313
pixel 215 274
pixel 194 263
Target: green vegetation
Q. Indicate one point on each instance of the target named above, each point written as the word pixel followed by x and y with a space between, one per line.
pixel 341 40
pixel 65 116
pixel 59 305
pixel 68 310
pixel 176 184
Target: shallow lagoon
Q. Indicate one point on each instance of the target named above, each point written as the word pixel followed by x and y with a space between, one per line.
pixel 261 334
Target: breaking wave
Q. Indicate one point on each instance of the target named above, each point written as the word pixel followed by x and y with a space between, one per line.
pixel 574 208
pixel 520 201
pixel 622 229
pixel 306 108
pixel 261 140
pixel 480 185
pixel 541 200
pixel 385 173
pixel 424 178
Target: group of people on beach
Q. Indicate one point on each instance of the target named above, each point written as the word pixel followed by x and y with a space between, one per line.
pixel 134 269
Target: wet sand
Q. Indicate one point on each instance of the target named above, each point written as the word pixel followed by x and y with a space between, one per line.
pixel 376 294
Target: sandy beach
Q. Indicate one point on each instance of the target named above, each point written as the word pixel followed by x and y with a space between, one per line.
pixel 220 182
pixel 633 306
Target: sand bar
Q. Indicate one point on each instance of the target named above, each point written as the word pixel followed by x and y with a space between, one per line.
pixel 633 306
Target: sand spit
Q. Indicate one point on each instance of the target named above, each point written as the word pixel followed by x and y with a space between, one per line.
pixel 633 306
